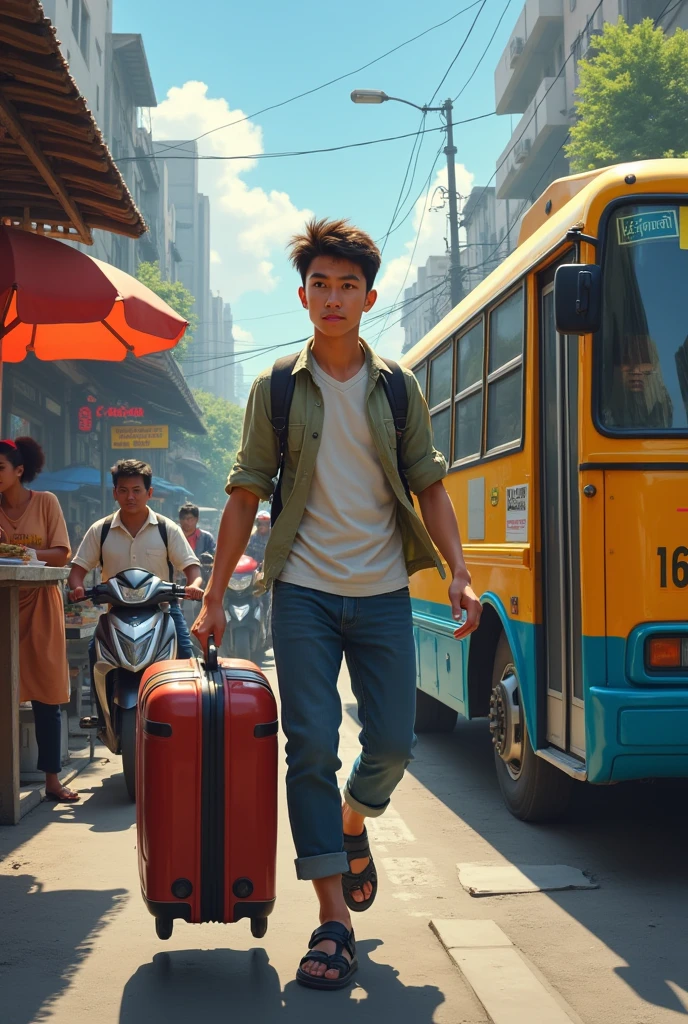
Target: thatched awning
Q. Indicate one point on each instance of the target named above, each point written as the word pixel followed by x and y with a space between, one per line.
pixel 57 176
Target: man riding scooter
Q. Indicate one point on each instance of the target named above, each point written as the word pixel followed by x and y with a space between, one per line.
pixel 137 537
pixel 259 538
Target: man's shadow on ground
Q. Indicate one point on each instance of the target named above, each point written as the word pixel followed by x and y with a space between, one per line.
pixel 215 984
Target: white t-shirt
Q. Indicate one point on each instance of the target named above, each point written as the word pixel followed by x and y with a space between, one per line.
pixel 348 541
pixel 144 551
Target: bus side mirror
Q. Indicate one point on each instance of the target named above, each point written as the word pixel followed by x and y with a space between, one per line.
pixel 578 298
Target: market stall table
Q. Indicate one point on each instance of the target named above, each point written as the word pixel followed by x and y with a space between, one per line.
pixel 12 578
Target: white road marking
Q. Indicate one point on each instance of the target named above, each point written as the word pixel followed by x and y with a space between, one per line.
pixel 410 871
pixel 390 828
pixel 502 879
pixel 458 933
pixel 509 988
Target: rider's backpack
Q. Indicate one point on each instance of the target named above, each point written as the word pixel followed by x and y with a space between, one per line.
pixel 162 528
pixel 282 383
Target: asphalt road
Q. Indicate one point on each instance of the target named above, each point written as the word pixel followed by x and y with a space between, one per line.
pixel 77 945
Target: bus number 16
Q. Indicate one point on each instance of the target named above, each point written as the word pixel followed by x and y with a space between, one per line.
pixel 679 567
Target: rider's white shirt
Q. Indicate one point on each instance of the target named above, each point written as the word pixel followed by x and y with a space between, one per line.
pixel 144 551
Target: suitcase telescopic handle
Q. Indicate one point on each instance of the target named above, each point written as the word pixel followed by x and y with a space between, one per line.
pixel 211 657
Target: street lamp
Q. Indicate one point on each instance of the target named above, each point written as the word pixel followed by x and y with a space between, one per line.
pixel 447 108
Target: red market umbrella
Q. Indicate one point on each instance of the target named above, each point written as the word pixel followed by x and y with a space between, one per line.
pixel 60 303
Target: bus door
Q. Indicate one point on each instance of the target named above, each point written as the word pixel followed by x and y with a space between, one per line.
pixel 560 570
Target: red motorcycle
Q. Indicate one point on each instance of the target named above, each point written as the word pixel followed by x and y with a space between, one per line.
pixel 247 611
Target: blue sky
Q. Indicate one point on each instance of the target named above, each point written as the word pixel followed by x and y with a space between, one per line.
pixel 234 59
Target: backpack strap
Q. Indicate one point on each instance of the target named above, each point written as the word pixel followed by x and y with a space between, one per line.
pixel 162 529
pixel 282 383
pixel 104 530
pixel 395 388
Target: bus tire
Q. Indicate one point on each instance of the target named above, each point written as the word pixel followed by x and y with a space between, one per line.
pixel 432 715
pixel 532 788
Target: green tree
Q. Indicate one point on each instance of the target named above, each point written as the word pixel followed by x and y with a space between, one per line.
pixel 632 101
pixel 217 448
pixel 176 295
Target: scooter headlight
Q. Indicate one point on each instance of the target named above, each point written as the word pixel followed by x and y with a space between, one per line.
pixel 241 582
pixel 134 595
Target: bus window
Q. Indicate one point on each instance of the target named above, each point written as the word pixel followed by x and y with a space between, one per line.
pixel 644 344
pixel 421 373
pixel 439 400
pixel 504 380
pixel 468 390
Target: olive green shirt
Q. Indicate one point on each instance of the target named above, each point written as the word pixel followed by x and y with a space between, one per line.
pixel 257 462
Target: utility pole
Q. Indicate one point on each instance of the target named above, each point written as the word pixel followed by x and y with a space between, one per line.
pixel 456 291
pixel 447 108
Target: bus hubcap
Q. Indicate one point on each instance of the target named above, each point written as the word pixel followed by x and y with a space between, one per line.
pixel 505 721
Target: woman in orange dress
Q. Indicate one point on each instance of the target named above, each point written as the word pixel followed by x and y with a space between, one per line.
pixel 34 518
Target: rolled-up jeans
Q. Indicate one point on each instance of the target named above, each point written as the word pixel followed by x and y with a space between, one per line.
pixel 311 632
pixel 184 648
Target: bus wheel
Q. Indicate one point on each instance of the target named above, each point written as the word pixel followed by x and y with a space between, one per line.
pixel 432 715
pixel 533 789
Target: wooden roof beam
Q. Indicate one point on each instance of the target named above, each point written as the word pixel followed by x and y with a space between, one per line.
pixel 23 136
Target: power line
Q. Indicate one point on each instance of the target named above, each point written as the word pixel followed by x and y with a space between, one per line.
pixel 459 52
pixel 306 152
pixel 417 144
pixel 483 54
pixel 386 311
pixel 333 81
pixel 415 244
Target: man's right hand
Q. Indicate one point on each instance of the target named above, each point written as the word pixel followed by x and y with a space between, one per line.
pixel 76 595
pixel 210 622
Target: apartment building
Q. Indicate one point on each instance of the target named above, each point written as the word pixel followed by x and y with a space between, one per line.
pixel 426 301
pixel 535 82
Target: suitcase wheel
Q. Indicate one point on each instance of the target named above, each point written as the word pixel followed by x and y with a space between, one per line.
pixel 259 926
pixel 164 926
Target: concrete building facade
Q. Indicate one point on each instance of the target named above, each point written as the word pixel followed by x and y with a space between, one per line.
pixel 536 78
pixel 426 301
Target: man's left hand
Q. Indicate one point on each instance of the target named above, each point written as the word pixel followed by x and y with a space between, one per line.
pixel 193 593
pixel 464 599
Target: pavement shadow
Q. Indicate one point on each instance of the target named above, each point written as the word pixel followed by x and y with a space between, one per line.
pixel 631 838
pixel 108 808
pixel 220 984
pixel 45 937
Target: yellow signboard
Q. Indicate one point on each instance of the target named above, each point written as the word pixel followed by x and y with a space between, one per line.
pixel 139 435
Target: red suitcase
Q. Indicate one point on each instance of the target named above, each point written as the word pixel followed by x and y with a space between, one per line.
pixel 206 793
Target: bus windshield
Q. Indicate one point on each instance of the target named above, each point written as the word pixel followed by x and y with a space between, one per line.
pixel 644 339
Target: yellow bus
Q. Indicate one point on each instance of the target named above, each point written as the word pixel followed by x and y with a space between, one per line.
pixel 558 391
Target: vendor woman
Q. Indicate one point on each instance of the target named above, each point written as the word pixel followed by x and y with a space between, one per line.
pixel 34 519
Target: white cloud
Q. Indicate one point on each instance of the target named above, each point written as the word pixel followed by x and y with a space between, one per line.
pixel 242 335
pixel 431 230
pixel 249 226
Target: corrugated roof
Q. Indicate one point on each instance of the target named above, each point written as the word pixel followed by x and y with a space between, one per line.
pixel 57 176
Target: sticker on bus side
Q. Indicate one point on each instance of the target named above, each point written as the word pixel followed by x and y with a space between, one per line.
pixel 650 226
pixel 517 513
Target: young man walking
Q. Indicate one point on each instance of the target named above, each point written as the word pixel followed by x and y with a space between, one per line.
pixel 339 557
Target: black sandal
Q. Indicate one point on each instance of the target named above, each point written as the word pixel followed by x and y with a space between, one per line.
pixel 332 931
pixel 356 848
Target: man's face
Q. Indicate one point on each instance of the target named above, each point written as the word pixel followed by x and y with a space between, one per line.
pixel 188 524
pixel 131 494
pixel 336 295
pixel 263 529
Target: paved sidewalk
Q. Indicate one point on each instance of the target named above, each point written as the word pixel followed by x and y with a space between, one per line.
pixel 78 946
